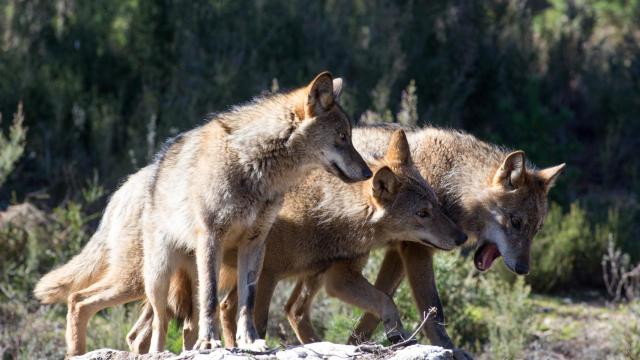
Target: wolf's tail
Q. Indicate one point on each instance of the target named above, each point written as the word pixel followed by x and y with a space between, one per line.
pixel 82 270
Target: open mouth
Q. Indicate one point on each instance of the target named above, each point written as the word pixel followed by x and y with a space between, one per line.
pixel 335 170
pixel 485 256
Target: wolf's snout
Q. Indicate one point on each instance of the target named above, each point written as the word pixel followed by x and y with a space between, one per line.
pixel 359 170
pixel 366 173
pixel 521 268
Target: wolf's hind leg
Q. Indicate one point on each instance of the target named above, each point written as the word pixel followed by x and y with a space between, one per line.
pixel 139 337
pixel 388 280
pixel 83 304
pixel 159 265
pixel 228 311
pixel 181 302
pixel 298 308
pixel 266 286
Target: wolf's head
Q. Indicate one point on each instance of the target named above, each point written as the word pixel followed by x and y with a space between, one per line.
pixel 406 206
pixel 515 205
pixel 328 130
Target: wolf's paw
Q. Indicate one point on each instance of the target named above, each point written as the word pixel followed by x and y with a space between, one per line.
pixel 258 345
pixel 398 336
pixel 207 344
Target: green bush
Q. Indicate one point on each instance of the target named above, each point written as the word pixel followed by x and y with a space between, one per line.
pixel 627 333
pixel 12 147
pixel 509 317
pixel 568 249
pixel 32 243
pixel 555 247
pixel 484 312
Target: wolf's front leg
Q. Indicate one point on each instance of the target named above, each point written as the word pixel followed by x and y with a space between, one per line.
pixel 389 277
pixel 344 280
pixel 250 257
pixel 418 265
pixel 208 253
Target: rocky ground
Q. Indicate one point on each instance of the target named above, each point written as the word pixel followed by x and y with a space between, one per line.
pixel 315 351
pixel 583 327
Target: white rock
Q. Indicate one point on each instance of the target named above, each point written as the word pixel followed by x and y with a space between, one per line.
pixel 315 351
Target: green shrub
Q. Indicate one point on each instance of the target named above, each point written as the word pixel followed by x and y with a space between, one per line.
pixel 174 337
pixel 554 249
pixel 568 249
pixel 627 333
pixel 12 147
pixel 509 317
pixel 484 311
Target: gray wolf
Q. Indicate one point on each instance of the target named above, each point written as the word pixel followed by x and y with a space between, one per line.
pixel 325 230
pixel 494 194
pixel 215 187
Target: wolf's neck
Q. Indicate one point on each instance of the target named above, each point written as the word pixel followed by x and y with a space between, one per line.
pixel 346 208
pixel 458 166
pixel 269 143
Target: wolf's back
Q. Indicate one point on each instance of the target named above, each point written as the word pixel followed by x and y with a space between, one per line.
pixel 119 224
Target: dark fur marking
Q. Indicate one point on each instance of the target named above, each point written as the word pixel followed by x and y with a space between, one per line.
pixel 251 295
pixel 213 303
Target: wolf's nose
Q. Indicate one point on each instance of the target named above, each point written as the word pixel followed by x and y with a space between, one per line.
pixel 521 268
pixel 462 239
pixel 366 173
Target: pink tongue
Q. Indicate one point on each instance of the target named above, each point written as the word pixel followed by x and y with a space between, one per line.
pixel 489 253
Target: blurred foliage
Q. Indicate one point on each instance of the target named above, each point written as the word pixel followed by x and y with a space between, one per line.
pixel 484 312
pixel 569 248
pixel 12 147
pixel 103 82
pixel 556 78
pixel 627 333
pixel 32 242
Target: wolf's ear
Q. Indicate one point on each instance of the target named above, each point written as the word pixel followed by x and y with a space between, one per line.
pixel 337 88
pixel 512 172
pixel 384 186
pixel 398 151
pixel 320 96
pixel 550 174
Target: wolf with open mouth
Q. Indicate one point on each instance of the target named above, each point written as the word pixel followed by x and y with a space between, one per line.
pixel 494 194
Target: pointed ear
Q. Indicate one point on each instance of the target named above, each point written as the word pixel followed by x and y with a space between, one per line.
pixel 398 151
pixel 550 174
pixel 385 185
pixel 320 95
pixel 512 172
pixel 337 88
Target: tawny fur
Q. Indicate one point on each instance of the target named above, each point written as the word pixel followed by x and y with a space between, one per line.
pixel 482 187
pixel 327 228
pixel 217 186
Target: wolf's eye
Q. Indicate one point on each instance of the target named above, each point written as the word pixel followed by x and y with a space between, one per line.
pixel 516 222
pixel 422 213
pixel 342 136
